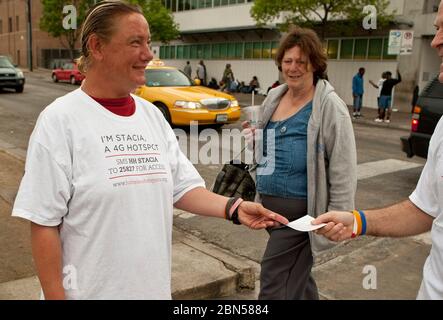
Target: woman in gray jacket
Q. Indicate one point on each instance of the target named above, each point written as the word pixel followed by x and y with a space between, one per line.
pixel 307 166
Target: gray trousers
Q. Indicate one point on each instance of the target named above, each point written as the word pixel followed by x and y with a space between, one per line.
pixel 287 261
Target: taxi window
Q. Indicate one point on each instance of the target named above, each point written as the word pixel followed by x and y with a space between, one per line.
pixel 166 78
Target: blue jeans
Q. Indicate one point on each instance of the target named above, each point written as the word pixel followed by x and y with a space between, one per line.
pixel 358 101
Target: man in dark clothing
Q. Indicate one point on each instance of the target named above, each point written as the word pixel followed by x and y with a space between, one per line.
pixel 386 96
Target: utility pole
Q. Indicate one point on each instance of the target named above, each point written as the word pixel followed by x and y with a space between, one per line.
pixel 29 18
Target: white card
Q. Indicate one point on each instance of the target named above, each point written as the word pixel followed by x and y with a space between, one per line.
pixel 304 224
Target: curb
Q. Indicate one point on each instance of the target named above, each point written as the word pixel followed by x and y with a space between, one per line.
pixel 199 271
pixel 382 125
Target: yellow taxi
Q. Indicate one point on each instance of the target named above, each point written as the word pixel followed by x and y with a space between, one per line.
pixel 182 101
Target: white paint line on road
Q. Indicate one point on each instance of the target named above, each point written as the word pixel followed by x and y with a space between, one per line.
pixel 377 168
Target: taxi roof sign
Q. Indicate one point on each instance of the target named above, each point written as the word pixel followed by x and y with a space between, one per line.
pixel 156 63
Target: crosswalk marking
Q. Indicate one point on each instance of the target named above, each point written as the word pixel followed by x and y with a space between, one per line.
pixel 377 168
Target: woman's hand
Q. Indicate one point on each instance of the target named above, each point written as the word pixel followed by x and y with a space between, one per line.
pixel 255 216
pixel 249 134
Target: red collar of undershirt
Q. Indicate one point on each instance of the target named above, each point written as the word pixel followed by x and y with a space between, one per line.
pixel 120 106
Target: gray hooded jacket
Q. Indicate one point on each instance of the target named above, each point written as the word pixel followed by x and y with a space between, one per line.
pixel 331 157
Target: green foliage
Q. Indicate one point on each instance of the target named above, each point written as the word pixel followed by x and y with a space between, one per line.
pixel 322 13
pixel 161 22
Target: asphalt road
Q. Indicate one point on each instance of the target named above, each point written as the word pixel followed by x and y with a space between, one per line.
pixel 385 181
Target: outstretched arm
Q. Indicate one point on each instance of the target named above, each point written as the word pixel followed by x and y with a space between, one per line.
pixel 206 203
pixel 373 84
pixel 400 220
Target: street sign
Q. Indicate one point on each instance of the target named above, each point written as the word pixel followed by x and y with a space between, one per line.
pixel 394 45
pixel 400 42
pixel 407 42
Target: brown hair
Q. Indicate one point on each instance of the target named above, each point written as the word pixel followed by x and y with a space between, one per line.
pixel 100 20
pixel 310 45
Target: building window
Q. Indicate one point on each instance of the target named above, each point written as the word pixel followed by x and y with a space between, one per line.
pixel 257 50
pixel 194 52
pixel 17 24
pixel 360 48
pixel 231 51
pixel 248 50
pixel 9 24
pixel 206 51
pixel 274 49
pixel 375 49
pixel 216 51
pixel 266 52
pixel 1 26
pixel 347 49
pixel 332 49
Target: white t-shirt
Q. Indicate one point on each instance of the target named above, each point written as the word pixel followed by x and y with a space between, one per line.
pixel 428 196
pixel 380 86
pixel 110 183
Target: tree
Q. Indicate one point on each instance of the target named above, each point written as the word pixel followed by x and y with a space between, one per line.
pixel 52 21
pixel 324 14
pixel 161 22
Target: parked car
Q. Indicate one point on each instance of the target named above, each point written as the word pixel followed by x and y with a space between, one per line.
pixel 181 100
pixel 10 75
pixel 427 112
pixel 68 72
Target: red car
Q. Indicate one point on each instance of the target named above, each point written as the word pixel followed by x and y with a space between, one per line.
pixel 68 72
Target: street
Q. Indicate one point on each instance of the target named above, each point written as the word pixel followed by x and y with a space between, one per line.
pixel 386 176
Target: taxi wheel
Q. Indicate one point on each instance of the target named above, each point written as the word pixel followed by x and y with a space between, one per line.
pixel 164 110
pixel 54 78
pixel 72 80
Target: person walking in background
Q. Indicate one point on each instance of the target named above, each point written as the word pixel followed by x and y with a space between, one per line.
pixel 357 92
pixel 227 78
pixel 386 96
pixel 188 69
pixel 379 86
pixel 201 72
pixel 314 161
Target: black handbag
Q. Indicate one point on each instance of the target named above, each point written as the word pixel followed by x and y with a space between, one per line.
pixel 234 180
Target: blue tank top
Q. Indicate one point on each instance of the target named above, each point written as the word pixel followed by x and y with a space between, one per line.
pixel 288 154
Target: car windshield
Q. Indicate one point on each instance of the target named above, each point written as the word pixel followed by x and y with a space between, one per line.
pixel 166 78
pixel 5 63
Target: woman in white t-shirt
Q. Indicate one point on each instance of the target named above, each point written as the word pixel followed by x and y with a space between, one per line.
pixel 104 170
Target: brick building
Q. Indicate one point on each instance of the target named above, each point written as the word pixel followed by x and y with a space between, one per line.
pixel 47 51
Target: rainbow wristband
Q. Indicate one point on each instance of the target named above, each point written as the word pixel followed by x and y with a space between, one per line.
pixel 363 222
pixel 358 220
